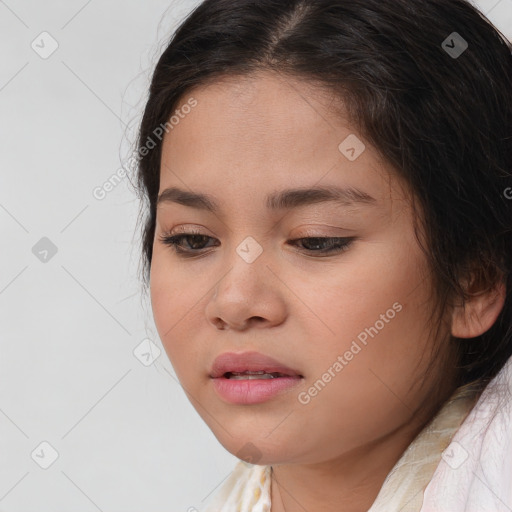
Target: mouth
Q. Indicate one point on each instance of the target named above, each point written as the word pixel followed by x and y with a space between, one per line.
pixel 250 365
pixel 251 378
pixel 256 375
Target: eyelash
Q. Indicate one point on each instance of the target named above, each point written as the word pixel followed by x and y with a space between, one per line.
pixel 173 241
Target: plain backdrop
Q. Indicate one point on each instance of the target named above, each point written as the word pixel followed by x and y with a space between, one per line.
pixel 92 417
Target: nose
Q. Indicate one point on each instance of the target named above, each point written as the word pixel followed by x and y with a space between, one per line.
pixel 247 295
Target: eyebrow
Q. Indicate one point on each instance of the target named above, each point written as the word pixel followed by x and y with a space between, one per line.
pixel 284 199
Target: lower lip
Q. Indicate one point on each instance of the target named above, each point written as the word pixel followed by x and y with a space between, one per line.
pixel 252 391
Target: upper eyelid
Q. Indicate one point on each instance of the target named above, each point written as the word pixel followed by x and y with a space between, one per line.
pixel 307 231
pixel 187 232
pixel 184 235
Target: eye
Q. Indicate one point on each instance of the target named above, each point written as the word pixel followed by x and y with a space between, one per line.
pixel 196 242
pixel 327 245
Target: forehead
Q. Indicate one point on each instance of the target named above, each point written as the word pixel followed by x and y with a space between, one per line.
pixel 263 111
pixel 266 132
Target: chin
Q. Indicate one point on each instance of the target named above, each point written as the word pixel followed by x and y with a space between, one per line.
pixel 257 450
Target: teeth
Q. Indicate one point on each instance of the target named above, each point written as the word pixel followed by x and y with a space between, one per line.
pixel 259 372
pixel 252 375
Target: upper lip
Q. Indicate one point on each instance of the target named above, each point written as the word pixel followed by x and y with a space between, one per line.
pixel 248 361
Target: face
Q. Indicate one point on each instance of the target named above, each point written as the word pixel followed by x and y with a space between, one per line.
pixel 335 289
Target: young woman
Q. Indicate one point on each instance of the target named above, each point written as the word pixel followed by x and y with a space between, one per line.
pixel 328 246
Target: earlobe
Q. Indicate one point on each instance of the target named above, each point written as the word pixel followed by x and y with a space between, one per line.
pixel 479 313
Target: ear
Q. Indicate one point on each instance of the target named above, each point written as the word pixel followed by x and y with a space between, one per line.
pixel 480 311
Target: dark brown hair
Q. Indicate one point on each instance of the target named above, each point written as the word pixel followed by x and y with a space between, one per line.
pixel 443 120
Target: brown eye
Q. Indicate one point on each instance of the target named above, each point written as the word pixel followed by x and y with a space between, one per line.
pixel 325 245
pixel 194 242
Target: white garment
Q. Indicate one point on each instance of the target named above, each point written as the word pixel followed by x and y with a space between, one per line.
pixel 482 482
pixel 442 470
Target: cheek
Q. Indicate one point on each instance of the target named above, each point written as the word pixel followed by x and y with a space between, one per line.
pixel 364 289
pixel 173 291
pixel 373 314
pixel 174 302
pixel 163 297
pixel 372 389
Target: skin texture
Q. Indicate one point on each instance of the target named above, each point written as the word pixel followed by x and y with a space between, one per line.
pixel 246 138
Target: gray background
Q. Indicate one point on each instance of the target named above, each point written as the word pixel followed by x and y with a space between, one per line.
pixel 126 436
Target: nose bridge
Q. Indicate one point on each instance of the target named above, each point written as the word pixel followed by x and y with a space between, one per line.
pixel 246 267
pixel 249 250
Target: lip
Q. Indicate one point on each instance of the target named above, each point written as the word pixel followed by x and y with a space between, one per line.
pixel 248 362
pixel 251 391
